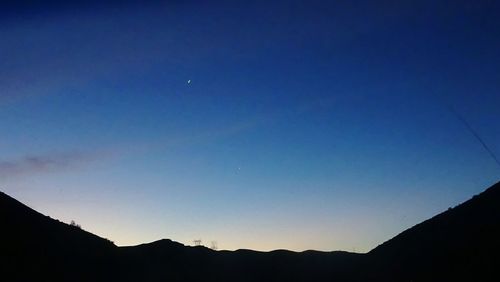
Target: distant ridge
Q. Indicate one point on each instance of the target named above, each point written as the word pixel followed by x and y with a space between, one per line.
pixel 460 244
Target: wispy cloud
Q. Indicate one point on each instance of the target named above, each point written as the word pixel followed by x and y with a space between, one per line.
pixel 228 130
pixel 30 164
pixel 64 161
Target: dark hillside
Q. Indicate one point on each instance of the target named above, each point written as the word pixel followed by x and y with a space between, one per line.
pixel 33 245
pixel 462 242
pixel 166 259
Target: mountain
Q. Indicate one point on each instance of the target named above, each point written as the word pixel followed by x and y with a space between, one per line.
pixel 166 260
pixel 33 246
pixel 459 244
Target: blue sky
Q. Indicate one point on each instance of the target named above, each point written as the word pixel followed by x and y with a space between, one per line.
pixel 325 121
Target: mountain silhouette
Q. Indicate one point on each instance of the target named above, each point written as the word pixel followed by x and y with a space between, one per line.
pixel 460 244
pixel 33 246
pixel 456 245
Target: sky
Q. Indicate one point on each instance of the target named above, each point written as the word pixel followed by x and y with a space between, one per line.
pixel 261 125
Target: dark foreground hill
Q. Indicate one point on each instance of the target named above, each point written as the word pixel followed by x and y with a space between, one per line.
pixel 461 244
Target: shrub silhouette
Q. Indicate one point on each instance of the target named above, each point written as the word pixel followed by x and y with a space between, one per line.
pixel 74 224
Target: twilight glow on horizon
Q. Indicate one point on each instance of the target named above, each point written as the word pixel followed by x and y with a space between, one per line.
pixel 257 124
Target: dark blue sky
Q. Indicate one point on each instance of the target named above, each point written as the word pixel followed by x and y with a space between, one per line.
pixel 328 121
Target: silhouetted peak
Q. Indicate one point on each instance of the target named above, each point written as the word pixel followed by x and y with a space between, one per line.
pixel 165 243
pixel 457 243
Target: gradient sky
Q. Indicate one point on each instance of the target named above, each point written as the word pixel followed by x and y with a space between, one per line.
pixel 305 125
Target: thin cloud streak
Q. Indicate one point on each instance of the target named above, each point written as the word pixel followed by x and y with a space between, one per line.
pixel 63 161
pixel 31 164
pixel 208 135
